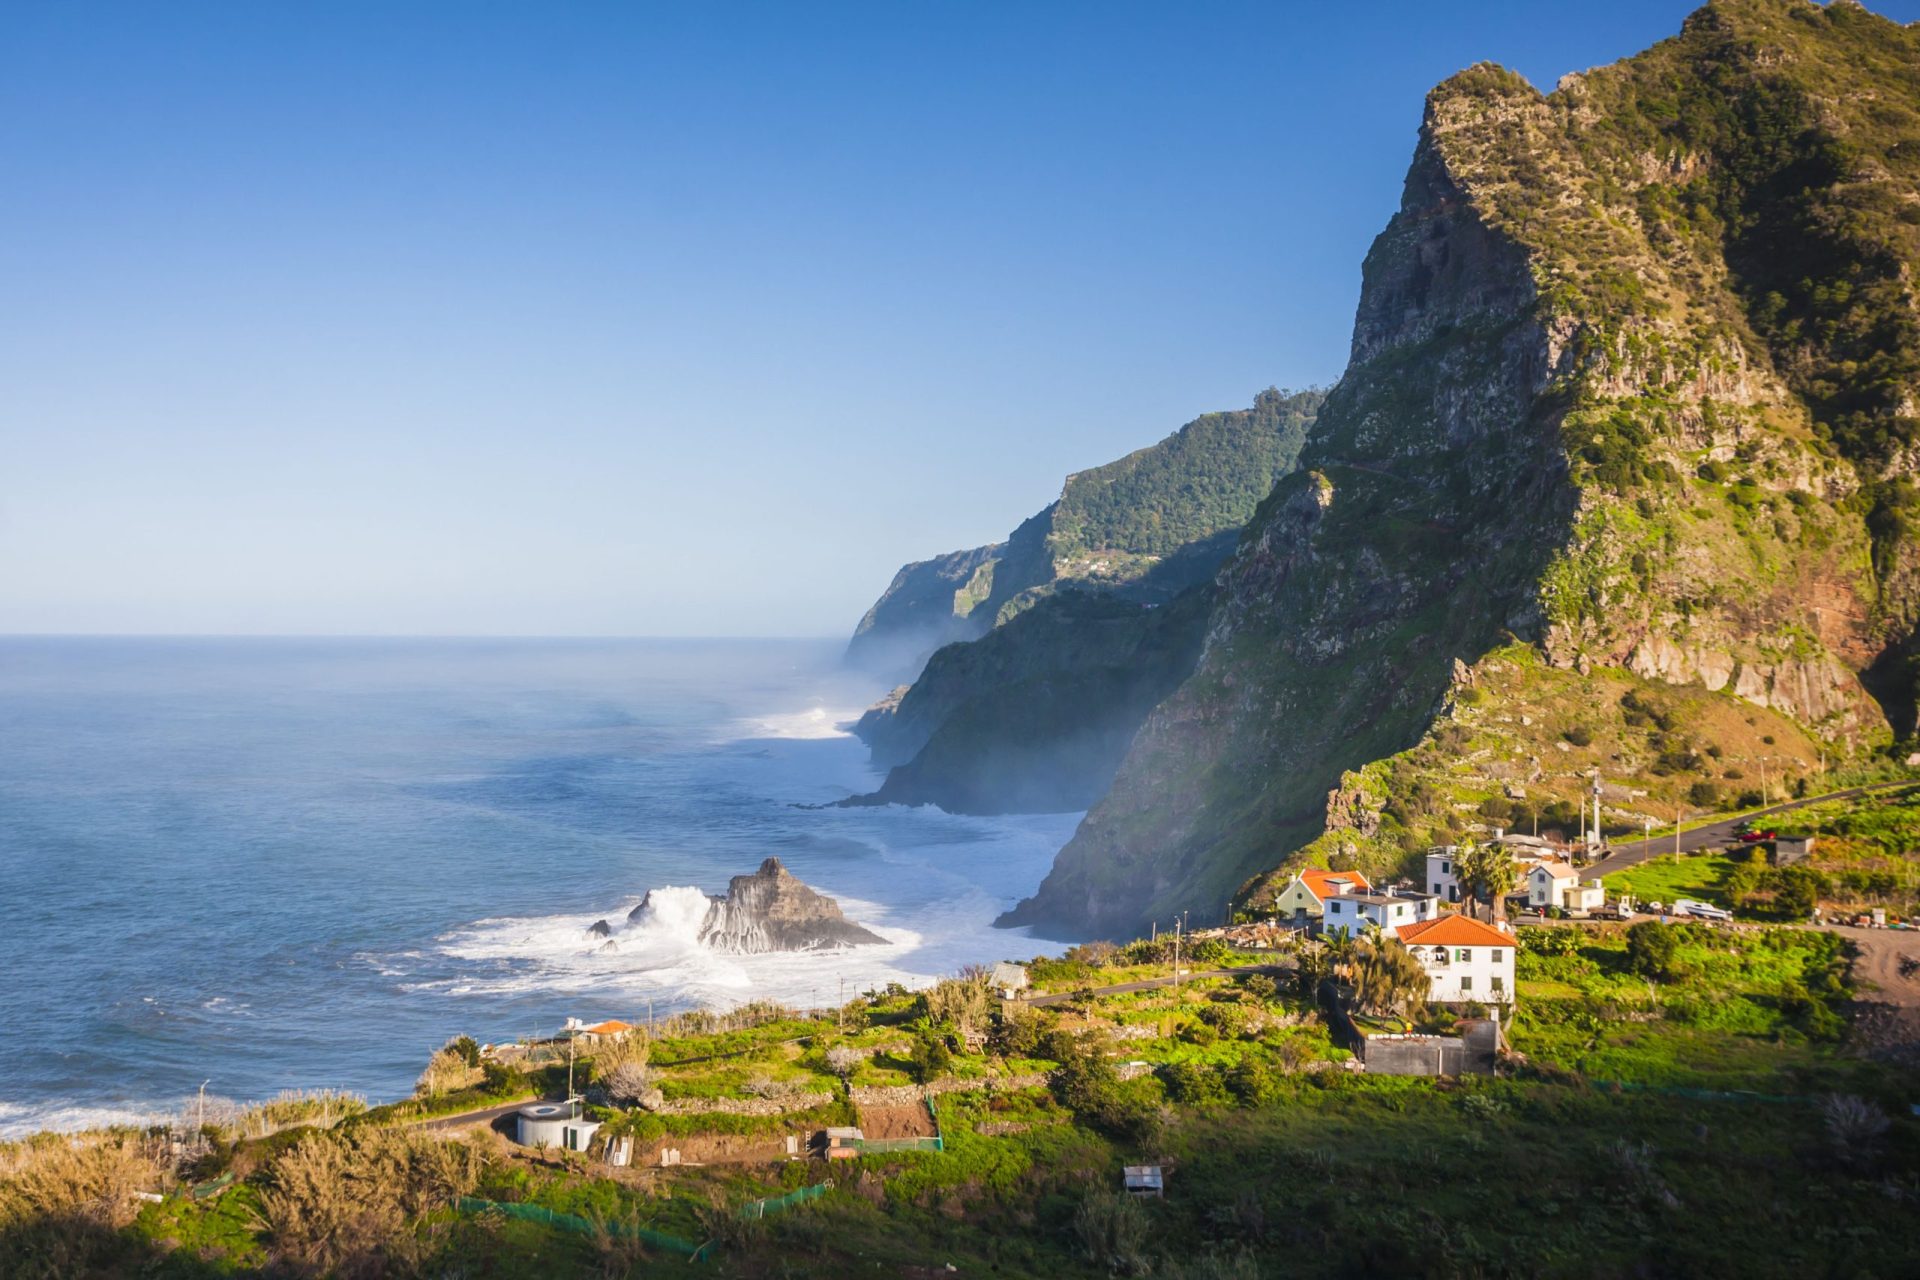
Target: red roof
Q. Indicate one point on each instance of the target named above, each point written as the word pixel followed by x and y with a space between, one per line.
pixel 1453 931
pixel 1317 882
pixel 609 1028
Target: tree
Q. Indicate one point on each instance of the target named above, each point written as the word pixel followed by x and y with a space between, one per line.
pixel 843 1060
pixel 1386 976
pixel 1650 949
pixel 1486 875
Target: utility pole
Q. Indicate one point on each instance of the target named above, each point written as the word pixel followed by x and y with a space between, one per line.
pixel 1176 953
pixel 1679 816
pixel 203 1104
pixel 840 1013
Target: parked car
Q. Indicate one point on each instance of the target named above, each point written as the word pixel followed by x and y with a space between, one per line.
pixel 1755 835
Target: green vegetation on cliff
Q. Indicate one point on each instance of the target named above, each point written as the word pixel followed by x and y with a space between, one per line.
pixel 1151 524
pixel 1630 387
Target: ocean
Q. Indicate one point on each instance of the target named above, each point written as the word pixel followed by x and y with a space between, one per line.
pixel 272 864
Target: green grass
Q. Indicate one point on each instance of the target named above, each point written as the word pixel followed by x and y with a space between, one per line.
pixel 1695 875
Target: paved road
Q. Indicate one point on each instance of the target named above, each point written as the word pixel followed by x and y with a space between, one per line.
pixel 1149 984
pixel 1714 834
pixel 486 1115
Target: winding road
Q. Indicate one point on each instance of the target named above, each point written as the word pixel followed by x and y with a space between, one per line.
pixel 1715 834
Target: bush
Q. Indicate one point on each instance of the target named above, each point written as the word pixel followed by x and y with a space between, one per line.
pixel 930 1057
pixel 1703 795
pixel 1196 1085
pixel 1579 735
pixel 1112 1229
pixel 1651 949
pixel 1252 1082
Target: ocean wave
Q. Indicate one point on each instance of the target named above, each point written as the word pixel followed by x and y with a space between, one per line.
pixel 658 955
pixel 813 723
pixel 19 1119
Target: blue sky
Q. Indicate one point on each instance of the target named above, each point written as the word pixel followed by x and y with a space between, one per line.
pixel 633 319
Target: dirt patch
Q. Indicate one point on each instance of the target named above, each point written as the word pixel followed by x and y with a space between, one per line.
pixel 718 1148
pixel 896 1122
pixel 1886 1017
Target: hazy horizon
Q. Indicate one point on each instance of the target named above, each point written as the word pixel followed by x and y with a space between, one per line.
pixel 598 321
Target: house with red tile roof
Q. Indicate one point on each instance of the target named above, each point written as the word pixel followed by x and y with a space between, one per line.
pixel 1465 959
pixel 1304 899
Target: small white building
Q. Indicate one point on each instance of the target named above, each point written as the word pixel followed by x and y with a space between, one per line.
pixel 1009 979
pixel 1357 912
pixel 1555 884
pixel 1464 959
pixel 554 1124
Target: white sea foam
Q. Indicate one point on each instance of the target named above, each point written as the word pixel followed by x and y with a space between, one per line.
pixel 818 721
pixel 18 1119
pixel 658 955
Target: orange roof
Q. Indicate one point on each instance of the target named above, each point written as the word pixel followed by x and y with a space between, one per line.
pixel 1317 881
pixel 611 1027
pixel 1454 931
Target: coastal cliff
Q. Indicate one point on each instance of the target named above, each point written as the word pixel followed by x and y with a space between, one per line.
pixel 1046 658
pixel 1619 478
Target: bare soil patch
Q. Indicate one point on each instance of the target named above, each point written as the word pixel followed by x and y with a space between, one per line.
pixel 896 1122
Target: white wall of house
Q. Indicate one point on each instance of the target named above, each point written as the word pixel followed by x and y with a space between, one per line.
pixel 1443 875
pixel 1460 974
pixel 1357 914
pixel 1544 889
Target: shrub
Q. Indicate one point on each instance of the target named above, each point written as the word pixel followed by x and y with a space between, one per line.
pixel 447 1071
pixel 1703 795
pixel 930 1057
pixel 1251 1082
pixel 1651 949
pixel 1112 1229
pixel 342 1203
pixel 1196 1085
pixel 1855 1127
pixel 468 1051
pixel 1579 735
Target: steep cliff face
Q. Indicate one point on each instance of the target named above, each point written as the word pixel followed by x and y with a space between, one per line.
pixel 1574 421
pixel 1035 716
pixel 1147 526
pixel 929 603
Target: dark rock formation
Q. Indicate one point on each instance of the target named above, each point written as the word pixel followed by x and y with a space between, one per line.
pixel 771 910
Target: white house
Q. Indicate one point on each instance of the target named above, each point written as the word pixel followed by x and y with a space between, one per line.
pixel 1464 959
pixel 1356 912
pixel 1555 884
pixel 1305 897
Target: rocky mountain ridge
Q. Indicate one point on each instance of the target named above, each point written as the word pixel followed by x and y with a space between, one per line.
pixel 1630 395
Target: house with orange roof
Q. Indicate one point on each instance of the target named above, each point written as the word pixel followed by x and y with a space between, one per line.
pixel 1465 959
pixel 606 1032
pixel 1304 899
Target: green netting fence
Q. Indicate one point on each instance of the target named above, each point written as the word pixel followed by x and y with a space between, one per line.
pixel 774 1204
pixel 572 1222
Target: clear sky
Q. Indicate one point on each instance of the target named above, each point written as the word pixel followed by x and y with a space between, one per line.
pixel 550 318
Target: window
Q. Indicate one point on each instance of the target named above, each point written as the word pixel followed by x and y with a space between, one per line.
pixel 1496 960
pixel 1463 954
pixel 1466 982
pixel 1499 983
pixel 1446 868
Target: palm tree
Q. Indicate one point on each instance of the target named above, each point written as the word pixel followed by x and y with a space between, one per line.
pixel 1387 979
pixel 1486 875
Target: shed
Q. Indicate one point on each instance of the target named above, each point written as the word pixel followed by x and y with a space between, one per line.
pixel 1145 1180
pixel 1788 850
pixel 1009 979
pixel 554 1124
